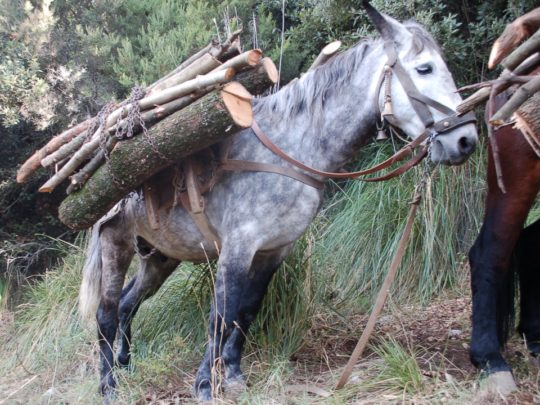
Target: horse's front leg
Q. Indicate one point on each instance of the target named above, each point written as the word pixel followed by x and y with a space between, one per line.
pixel 233 270
pixel 260 275
pixel 491 279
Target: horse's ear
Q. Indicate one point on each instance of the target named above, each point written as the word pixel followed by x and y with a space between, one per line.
pixel 389 28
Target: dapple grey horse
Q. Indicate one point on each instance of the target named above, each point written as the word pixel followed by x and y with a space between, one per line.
pixel 322 119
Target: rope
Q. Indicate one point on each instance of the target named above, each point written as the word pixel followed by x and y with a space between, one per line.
pixel 385 288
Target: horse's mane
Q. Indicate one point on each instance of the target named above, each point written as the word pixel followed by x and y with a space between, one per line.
pixel 309 92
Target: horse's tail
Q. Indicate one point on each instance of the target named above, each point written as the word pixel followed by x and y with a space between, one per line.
pixel 506 306
pixel 91 281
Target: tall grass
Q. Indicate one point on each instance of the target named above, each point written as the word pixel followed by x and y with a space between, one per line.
pixel 366 222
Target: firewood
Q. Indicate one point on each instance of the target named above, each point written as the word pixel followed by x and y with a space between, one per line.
pixel 65 151
pixel 34 162
pixel 201 66
pixel 522 52
pixel 248 58
pixel 528 121
pixel 326 53
pixel 480 96
pixel 196 84
pixel 206 121
pixel 521 95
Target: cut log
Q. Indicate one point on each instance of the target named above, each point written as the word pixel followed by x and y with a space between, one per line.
pixel 249 58
pixel 522 52
pixel 480 96
pixel 528 121
pixel 34 162
pixel 521 95
pixel 326 53
pixel 196 84
pixel 187 131
pixel 66 150
pixel 201 66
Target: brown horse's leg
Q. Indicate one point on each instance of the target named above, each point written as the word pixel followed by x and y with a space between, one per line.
pixel 528 261
pixel 117 252
pixel 154 270
pixel 490 256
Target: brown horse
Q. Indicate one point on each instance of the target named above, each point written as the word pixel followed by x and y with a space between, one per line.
pixel 502 250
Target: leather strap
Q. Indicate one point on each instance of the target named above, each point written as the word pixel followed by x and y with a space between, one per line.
pixel 245 165
pixel 398 156
pixel 193 202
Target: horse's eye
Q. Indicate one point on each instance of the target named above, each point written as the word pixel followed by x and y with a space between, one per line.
pixel 424 69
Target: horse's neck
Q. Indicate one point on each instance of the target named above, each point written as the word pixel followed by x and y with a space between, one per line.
pixel 327 137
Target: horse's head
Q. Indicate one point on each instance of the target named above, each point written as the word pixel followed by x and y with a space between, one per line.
pixel 417 92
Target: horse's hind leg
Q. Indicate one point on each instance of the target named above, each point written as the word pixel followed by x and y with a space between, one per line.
pixel 154 270
pixel 529 281
pixel 117 252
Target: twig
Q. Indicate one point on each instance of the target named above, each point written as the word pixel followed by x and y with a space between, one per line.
pixel 521 95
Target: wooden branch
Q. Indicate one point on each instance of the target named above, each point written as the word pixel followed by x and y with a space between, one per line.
pixel 475 99
pixel 65 151
pixel 521 95
pixel 73 163
pixel 326 53
pixel 522 52
pixel 34 162
pixel 196 84
pixel 248 58
pixel 195 127
pixel 183 65
pixel 78 180
pixel 201 66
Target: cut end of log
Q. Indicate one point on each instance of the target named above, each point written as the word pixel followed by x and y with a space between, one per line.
pixel 254 57
pixel 46 189
pixel 331 48
pixel 237 100
pixel 271 69
pixel 229 74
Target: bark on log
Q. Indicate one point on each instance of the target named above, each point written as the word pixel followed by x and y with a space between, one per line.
pixel 187 131
pixel 34 162
pixel 521 95
pixel 522 52
pixel 248 58
pixel 65 150
pixel 528 121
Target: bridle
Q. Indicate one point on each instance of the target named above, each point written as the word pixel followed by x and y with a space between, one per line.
pixel 420 103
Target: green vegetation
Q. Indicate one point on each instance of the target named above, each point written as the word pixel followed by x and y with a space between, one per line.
pixel 63 60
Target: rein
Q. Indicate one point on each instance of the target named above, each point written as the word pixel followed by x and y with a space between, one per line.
pixel 420 103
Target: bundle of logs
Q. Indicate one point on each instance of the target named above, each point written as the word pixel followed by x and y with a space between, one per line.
pixel 521 75
pixel 192 107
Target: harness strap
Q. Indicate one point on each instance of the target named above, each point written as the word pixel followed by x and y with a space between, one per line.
pixel 193 202
pixel 398 156
pixel 245 165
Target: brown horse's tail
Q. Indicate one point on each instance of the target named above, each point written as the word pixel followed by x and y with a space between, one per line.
pixel 506 305
pixel 91 281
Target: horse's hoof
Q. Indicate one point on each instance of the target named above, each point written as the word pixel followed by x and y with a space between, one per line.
pixel 234 387
pixel 123 360
pixel 499 384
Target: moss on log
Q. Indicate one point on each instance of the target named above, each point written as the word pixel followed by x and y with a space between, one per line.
pixel 203 123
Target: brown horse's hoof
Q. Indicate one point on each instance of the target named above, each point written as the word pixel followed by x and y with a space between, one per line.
pixel 496 386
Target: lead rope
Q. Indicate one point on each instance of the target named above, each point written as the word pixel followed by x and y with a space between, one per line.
pixel 394 265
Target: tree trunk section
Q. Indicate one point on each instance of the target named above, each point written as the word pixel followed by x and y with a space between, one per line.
pixel 185 132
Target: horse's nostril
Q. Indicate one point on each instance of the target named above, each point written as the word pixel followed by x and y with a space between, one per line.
pixel 466 145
